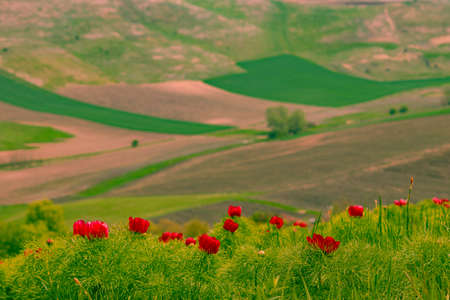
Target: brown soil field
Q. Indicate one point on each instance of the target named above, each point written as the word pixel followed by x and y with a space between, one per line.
pixel 350 166
pixel 68 177
pixel 88 136
pixel 190 101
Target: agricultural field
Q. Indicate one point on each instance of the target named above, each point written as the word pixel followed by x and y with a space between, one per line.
pixel 18 93
pixel 14 136
pixel 292 79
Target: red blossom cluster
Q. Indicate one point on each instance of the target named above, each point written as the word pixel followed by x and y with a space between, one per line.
pixel 277 221
pixel 230 225
pixel 171 236
pixel 138 225
pixel 327 244
pixel 300 224
pixel 356 211
pixel 441 201
pixel 208 244
pixel 400 202
pixel 94 229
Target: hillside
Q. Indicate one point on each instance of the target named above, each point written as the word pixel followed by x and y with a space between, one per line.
pixel 52 43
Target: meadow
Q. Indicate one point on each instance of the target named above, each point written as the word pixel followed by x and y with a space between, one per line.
pixel 388 252
pixel 19 93
pixel 288 78
pixel 14 136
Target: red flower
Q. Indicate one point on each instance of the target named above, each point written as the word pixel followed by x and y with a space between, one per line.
pixel 230 225
pixel 327 244
pixel 400 202
pixel 356 211
pixel 165 237
pixel 277 221
pixel 208 244
pixel 50 242
pixel 138 225
pixel 190 241
pixel 438 201
pixel 94 229
pixel 98 229
pixel 1 262
pixel 447 205
pixel 168 236
pixel 300 224
pixel 234 211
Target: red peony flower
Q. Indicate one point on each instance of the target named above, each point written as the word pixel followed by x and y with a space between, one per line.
pixel 439 201
pixel 230 225
pixel 300 224
pixel 234 211
pixel 94 229
pixel 356 211
pixel 138 225
pixel 50 242
pixel 98 229
pixel 190 241
pixel 165 237
pixel 208 244
pixel 277 221
pixel 400 202
pixel 327 244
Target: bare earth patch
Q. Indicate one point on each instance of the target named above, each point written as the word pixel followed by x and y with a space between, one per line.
pixel 191 101
pixel 440 40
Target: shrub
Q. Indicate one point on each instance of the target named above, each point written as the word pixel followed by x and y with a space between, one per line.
pixel 195 227
pixel 5 50
pixel 297 122
pixel 48 213
pixel 134 143
pixel 392 111
pixel 446 97
pixel 283 124
pixel 403 109
pixel 165 225
pixel 261 217
pixel 277 120
pixel 12 239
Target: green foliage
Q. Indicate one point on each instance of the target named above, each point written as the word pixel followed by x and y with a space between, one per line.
pixel 446 97
pixel 15 136
pixel 288 78
pixel 195 227
pixel 165 225
pixel 392 111
pixel 19 93
pixel 282 124
pixel 134 143
pixel 260 217
pixel 251 264
pixel 46 212
pixel 403 109
pixel 277 120
pixel 12 238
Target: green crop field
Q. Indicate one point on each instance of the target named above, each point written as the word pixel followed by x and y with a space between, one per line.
pixel 288 78
pixel 16 92
pixel 15 136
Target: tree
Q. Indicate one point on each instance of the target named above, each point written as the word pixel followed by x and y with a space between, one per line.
pixel 46 212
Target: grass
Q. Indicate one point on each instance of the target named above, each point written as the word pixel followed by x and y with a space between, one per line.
pixel 288 78
pixel 376 259
pixel 16 92
pixel 14 136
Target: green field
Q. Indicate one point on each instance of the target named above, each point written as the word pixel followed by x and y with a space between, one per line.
pixel 288 78
pixel 16 92
pixel 117 209
pixel 15 136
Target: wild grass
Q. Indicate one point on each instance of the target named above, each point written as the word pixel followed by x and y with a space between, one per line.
pixel 14 136
pixel 376 259
pixel 288 78
pixel 19 93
